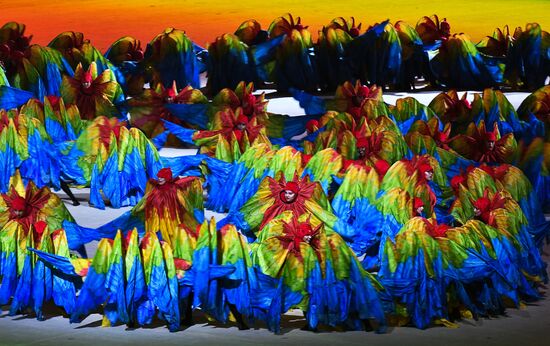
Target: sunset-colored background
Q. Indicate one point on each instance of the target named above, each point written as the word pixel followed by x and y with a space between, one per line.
pixel 103 21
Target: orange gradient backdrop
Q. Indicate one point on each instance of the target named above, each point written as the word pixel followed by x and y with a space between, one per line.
pixel 103 21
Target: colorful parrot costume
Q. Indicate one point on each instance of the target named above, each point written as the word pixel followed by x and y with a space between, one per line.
pixel 508 232
pixel 275 196
pixel 358 100
pixel 416 272
pixel 154 105
pixel 79 51
pixel 127 55
pixel 457 63
pixel 25 145
pixel 436 272
pixel 168 202
pixel 170 57
pixel 306 265
pixel 30 67
pixel 61 123
pixel 332 48
pixel 293 66
pixel 482 145
pixel 527 59
pixel 95 94
pixel 376 55
pixel 29 217
pixel 231 134
pixel 535 110
pixel 513 181
pixel 111 158
pixel 420 177
pixel 134 281
pixel 260 161
pixel 413 56
pixel 242 56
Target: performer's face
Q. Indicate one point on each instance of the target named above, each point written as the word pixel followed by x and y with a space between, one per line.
pixel 289 196
pixel 477 212
pixel 19 213
pixel 168 99
pixel 241 126
pixel 429 175
pixel 162 181
pixel 86 84
pixel 358 100
pixel 362 151
pixel 491 145
pixel 307 238
pixel 420 210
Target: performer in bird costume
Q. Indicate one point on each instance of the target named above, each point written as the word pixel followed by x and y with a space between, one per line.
pixel 376 55
pixel 413 56
pixel 242 56
pixel 230 135
pixel 450 108
pixel 27 281
pixel 358 100
pixel 127 55
pixel 536 161
pixel 293 66
pixel 168 202
pixel 332 48
pixel 135 280
pixel 105 156
pixel 95 94
pixel 420 177
pixel 482 145
pixel 170 57
pixel 512 241
pixel 458 63
pixel 276 195
pixel 415 271
pixel 80 51
pixel 62 123
pixel 154 105
pixel 527 59
pixel 29 216
pixel 26 146
pixel 512 179
pixel 303 264
pixel 30 67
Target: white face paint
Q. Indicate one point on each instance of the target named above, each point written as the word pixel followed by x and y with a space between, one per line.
pixel 86 85
pixel 162 181
pixel 241 126
pixel 18 213
pixel 477 212
pixel 307 238
pixel 429 175
pixel 362 151
pixel 289 196
pixel 420 210
pixel 491 145
pixel 168 99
